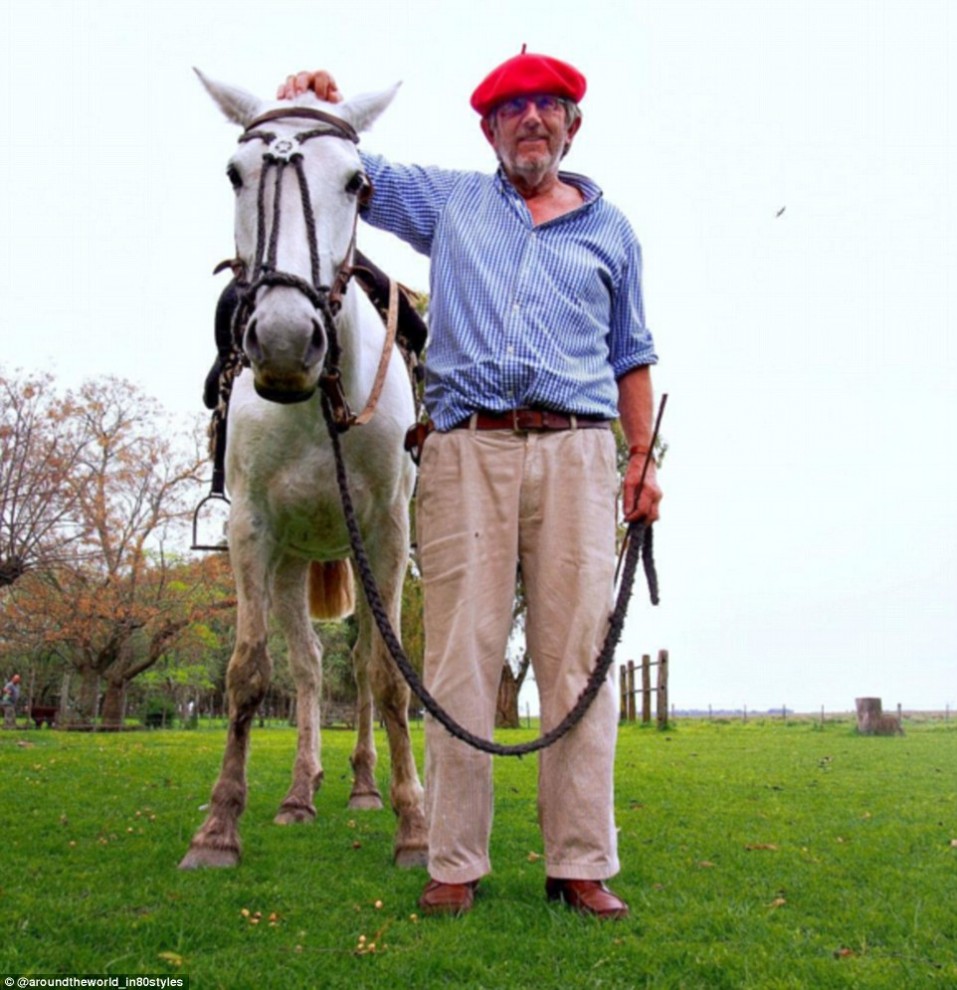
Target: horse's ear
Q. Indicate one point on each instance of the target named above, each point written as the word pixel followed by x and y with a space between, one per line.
pixel 363 110
pixel 239 106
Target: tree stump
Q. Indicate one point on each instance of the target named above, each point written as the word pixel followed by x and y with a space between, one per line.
pixel 871 720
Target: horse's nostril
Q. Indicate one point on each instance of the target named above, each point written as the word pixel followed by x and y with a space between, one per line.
pixel 251 344
pixel 318 342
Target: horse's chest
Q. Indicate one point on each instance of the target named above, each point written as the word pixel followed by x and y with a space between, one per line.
pixel 304 500
pixel 281 475
pixel 300 504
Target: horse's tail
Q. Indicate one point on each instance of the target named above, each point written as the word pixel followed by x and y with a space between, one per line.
pixel 332 591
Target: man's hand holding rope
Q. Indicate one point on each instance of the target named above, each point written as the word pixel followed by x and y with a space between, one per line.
pixel 636 407
pixel 640 499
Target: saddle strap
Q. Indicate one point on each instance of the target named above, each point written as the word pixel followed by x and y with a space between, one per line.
pixel 391 324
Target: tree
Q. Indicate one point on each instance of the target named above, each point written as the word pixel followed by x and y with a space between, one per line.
pixel 119 602
pixel 515 668
pixel 190 673
pixel 177 602
pixel 41 443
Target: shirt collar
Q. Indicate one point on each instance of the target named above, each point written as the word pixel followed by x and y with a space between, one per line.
pixel 590 189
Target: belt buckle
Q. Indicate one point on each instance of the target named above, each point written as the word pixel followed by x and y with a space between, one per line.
pixel 523 420
pixel 526 420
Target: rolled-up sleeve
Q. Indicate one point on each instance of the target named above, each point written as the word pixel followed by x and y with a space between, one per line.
pixel 630 341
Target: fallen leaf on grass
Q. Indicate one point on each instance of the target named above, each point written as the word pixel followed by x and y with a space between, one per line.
pixel 705 865
pixel 844 952
pixel 257 917
pixel 953 843
pixel 365 946
pixel 173 958
pixel 762 847
pixel 778 902
pixel 369 946
pixel 534 857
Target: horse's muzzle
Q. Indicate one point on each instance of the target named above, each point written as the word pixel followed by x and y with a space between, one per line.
pixel 285 397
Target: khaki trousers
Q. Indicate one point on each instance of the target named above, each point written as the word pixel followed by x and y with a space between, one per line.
pixel 489 501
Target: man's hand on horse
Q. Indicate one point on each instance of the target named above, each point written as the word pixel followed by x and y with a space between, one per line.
pixel 320 82
pixel 641 505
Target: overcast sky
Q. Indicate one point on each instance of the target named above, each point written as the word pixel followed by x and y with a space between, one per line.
pixel 808 545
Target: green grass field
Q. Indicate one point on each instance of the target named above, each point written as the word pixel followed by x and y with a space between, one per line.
pixel 759 855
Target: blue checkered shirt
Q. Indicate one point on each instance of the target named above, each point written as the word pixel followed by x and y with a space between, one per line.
pixel 519 315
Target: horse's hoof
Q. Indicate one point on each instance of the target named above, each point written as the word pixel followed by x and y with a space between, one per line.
pixel 205 857
pixel 411 858
pixel 295 814
pixel 370 801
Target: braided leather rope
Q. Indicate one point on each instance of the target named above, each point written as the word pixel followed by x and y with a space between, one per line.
pixel 638 544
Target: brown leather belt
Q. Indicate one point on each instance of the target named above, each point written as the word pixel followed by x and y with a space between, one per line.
pixel 528 420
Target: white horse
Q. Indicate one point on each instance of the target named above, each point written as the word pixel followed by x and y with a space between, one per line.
pixel 295 233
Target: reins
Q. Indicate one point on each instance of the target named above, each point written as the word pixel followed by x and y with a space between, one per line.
pixel 638 545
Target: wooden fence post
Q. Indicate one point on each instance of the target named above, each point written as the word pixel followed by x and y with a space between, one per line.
pixel 623 693
pixel 646 690
pixel 631 690
pixel 662 689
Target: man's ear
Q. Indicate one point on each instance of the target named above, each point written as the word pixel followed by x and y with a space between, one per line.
pixel 572 131
pixel 488 130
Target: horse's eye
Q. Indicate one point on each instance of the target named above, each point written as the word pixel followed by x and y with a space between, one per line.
pixel 232 173
pixel 359 185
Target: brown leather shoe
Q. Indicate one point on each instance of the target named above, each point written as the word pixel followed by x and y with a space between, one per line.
pixel 447 898
pixel 587 897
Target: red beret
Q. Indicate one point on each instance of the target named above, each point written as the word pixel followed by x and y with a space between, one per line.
pixel 524 75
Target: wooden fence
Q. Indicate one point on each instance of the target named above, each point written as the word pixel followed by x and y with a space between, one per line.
pixel 629 690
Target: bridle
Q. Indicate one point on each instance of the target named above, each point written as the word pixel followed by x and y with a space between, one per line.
pixel 281 154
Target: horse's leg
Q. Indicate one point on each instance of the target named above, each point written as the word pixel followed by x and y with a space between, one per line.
pixel 305 659
pixel 389 559
pixel 247 680
pixel 365 791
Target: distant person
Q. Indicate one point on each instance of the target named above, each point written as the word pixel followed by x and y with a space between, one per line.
pixel 8 700
pixel 537 342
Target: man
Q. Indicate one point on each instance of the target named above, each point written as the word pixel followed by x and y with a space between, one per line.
pixel 537 341
pixel 8 700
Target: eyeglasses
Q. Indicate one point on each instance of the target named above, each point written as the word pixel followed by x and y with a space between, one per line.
pixel 544 104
